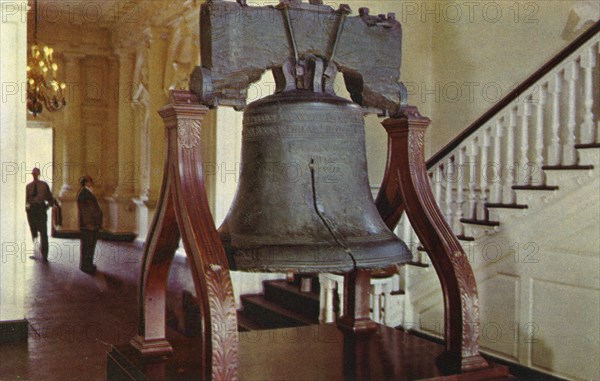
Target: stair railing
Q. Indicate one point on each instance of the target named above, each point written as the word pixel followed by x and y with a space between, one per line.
pixel 380 299
pixel 537 126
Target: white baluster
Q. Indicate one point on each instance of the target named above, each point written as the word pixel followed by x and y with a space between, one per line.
pixel 438 185
pixel 340 292
pixel 523 165
pixel 415 246
pixel 398 285
pixel 423 256
pixel 539 137
pixel 449 181
pixel 431 179
pixel 327 286
pixel 509 193
pixel 461 178
pixel 379 299
pixel 375 302
pixel 496 191
pixel 396 280
pixel 406 229
pixel 472 161
pixel 386 289
pixel 483 181
pixel 407 235
pixel 588 62
pixel 555 150
pixel 571 76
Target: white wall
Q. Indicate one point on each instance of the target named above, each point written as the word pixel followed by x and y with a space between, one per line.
pixel 460 58
pixel 476 63
pixel 538 276
pixel 12 153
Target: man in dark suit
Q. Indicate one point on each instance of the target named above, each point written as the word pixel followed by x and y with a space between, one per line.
pixel 38 198
pixel 90 222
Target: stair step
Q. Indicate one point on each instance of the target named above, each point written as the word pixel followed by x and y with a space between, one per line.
pixel 535 187
pixel 479 222
pixel 245 324
pixel 417 264
pixel 567 167
pixel 297 281
pixel 588 145
pixel 268 314
pixel 289 296
pixel 507 206
pixel 467 238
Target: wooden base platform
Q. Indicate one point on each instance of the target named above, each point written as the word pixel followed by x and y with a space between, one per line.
pixel 315 352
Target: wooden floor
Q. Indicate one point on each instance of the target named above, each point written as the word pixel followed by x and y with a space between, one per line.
pixel 306 353
pixel 74 317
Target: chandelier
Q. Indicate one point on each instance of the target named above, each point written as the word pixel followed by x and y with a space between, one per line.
pixel 43 89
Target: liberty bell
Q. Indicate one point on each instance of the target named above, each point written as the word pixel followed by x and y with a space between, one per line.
pixel 303 202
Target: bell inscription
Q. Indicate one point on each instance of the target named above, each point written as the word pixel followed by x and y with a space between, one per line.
pixel 303 202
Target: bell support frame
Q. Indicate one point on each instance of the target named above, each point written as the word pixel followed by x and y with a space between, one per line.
pixel 405 188
pixel 176 216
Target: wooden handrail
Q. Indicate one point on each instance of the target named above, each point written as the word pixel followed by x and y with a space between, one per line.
pixel 514 94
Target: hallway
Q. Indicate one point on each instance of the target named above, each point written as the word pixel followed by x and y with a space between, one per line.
pixel 74 317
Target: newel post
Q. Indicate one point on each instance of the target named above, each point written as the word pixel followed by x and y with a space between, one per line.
pixel 406 188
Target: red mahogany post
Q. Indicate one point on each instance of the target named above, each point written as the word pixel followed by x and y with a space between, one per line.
pixel 183 211
pixel 406 187
pixel 356 318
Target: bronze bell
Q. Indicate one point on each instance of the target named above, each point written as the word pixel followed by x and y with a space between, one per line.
pixel 303 203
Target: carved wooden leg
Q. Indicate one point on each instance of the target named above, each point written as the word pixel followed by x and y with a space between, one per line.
pixel 208 263
pixel 389 201
pixel 461 305
pixel 163 240
pixel 183 208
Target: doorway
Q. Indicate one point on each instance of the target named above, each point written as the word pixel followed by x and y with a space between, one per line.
pixel 39 143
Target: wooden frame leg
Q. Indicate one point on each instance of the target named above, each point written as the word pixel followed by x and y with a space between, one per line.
pixel 357 284
pixel 183 211
pixel 159 250
pixel 406 188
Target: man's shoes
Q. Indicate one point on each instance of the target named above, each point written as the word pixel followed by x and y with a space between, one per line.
pixel 89 270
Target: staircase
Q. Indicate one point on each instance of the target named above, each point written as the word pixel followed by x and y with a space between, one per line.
pixel 521 190
pixel 281 305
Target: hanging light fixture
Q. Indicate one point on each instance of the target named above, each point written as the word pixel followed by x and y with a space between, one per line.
pixel 43 89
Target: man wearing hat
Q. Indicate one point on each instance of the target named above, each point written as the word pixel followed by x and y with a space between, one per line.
pixel 38 198
pixel 90 222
